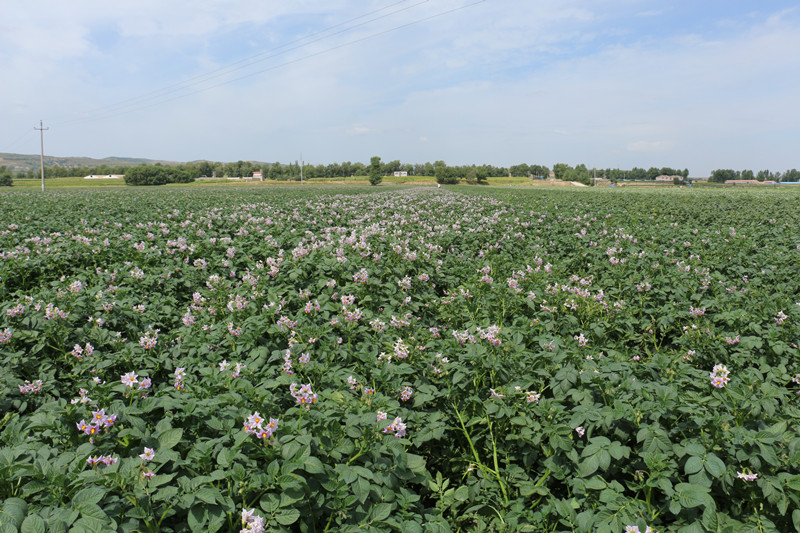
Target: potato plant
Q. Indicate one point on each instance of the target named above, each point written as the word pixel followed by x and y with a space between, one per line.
pixel 401 359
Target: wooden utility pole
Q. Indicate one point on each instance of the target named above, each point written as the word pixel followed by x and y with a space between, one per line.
pixel 41 159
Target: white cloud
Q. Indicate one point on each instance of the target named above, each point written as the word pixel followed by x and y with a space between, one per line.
pixel 358 129
pixel 650 146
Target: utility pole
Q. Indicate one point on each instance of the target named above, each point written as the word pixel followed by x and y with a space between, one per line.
pixel 41 159
pixel 301 167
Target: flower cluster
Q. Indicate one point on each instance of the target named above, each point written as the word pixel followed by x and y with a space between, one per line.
pixel 237 304
pixel 361 276
pixel 83 397
pixel 131 379
pixel 29 387
pixel 405 393
pixel 400 349
pixel 101 459
pixel 251 522
pixel 51 312
pixel 490 334
pixel 287 362
pixel 746 475
pixel 99 421
pixel 5 336
pixel 303 394
pixel 148 455
pixel 397 427
pixel 254 425
pixel 149 339
pixel 695 311
pixel 178 376
pixel 582 341
pixel 635 529
pixel 80 353
pixel 719 376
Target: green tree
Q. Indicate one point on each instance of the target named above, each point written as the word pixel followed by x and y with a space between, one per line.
pixel 391 167
pixel 560 170
pixel 747 175
pixel 521 170
pixel 636 173
pixel 722 174
pixel 445 175
pixel 791 175
pixel 146 175
pixel 540 171
pixel 580 174
pixel 375 171
pixel 6 177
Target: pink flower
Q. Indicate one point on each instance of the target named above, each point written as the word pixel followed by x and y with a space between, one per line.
pixel 148 454
pixel 719 376
pixel 129 379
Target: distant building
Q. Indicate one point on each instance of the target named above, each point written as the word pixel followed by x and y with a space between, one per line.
pixel 400 174
pixel 104 177
pixel 664 177
pixel 258 175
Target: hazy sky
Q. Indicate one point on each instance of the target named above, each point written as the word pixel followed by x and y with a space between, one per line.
pixel 609 83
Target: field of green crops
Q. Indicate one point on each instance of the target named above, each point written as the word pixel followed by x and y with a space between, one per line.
pixel 399 359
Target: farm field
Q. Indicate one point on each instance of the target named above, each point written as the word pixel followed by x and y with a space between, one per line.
pixel 399 359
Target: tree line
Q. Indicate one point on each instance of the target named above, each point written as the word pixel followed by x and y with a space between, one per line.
pixel 723 174
pixel 155 174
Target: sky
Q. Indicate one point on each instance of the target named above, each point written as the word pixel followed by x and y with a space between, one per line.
pixel 607 83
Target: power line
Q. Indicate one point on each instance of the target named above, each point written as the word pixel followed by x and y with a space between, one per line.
pixel 160 101
pixel 22 137
pixel 249 61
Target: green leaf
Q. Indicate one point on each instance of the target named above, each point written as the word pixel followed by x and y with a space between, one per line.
pixel 793 483
pixel 589 465
pixel 287 517
pixel 197 518
pixel 14 511
pixel 714 465
pixel 89 495
pixel 415 463
pixel 313 465
pixel 691 495
pixel 381 511
pixel 208 495
pixel 693 465
pixel 33 523
pixel 596 483
pixel 170 438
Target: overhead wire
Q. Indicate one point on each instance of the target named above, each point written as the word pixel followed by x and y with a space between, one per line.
pixel 159 100
pixel 246 62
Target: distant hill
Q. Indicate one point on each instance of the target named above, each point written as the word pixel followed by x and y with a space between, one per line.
pixel 23 162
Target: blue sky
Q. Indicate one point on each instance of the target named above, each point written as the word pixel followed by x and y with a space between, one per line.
pixel 616 83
